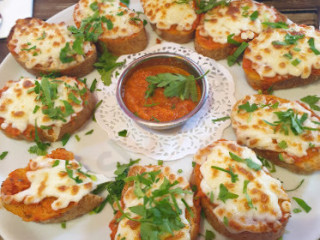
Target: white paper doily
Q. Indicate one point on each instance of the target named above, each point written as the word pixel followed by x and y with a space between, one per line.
pixel 176 143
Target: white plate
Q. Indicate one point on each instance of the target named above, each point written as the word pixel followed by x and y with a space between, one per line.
pixel 100 154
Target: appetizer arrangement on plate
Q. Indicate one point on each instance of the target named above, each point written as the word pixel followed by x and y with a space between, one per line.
pixel 165 93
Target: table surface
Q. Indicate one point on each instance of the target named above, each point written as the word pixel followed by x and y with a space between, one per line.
pixel 42 9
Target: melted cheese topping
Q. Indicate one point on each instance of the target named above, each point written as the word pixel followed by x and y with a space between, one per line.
pixel 265 192
pixel 167 13
pixel 17 104
pixel 253 131
pixel 270 59
pixel 48 181
pixel 235 19
pixel 38 44
pixel 130 199
pixel 125 22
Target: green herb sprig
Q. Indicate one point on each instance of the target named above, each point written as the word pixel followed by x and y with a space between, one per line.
pixel 205 6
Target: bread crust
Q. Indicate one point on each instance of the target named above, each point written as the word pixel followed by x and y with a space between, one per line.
pixel 208 207
pixel 305 164
pixel 79 69
pixel 193 218
pixel 76 122
pixel 42 212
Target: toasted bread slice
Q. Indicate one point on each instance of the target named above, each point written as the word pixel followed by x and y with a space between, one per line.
pixel 285 132
pixel 55 106
pixel 239 197
pixel 155 183
pixel 38 47
pixel 243 19
pixel 123 31
pixel 44 192
pixel 172 21
pixel 283 58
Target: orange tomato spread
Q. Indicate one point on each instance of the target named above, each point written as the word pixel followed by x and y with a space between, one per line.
pixel 158 107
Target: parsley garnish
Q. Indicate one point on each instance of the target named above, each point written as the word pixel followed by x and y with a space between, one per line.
pixel 302 204
pixel 276 24
pixel 233 58
pixel 94 6
pixel 209 235
pixel 40 148
pixel 204 6
pixel 232 41
pixel 65 139
pixel 247 107
pixel 3 155
pixel 254 15
pixel 226 221
pixel 77 137
pixel 151 104
pixel 296 62
pixel 224 194
pixel 64 225
pixel 28 49
pixel 248 161
pixel 160 162
pixel 312 47
pixel 66 54
pixel 56 163
pixel 267 164
pixel 311 100
pixel 175 85
pixel 299 185
pixel 245 191
pixel 93 85
pixel 220 119
pixel 182 1
pixel 123 133
pixel 125 2
pixel 89 132
pixel 95 109
pixel 283 144
pixel 234 177
pixel 297 210
pixel 106 64
pixel 288 40
pixel 43 36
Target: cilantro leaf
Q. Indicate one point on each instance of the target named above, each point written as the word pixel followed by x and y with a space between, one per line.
pixel 234 177
pixel 248 161
pixel 3 155
pixel 224 194
pixel 245 191
pixel 302 204
pixel 312 100
pixel 123 133
pixel 254 15
pixel 204 6
pixel 65 138
pixel 247 107
pixel 289 40
pixel 66 54
pixel 276 25
pixel 106 64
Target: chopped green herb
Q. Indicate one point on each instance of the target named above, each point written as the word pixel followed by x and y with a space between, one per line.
pixel 296 210
pixel 3 155
pixel 36 108
pixel 160 162
pixel 209 235
pixel 151 104
pixel 299 185
pixel 302 204
pixel 224 194
pixel 276 25
pixel 232 41
pixel 64 225
pixel 281 157
pixel 40 148
pixel 248 161
pixel 125 2
pixel 234 177
pixel 66 54
pixel 234 57
pixel 145 22
pixel 89 132
pixel 312 47
pixel 28 49
pixel 108 22
pixel 93 85
pixel 182 1
pixel 94 6
pixel 154 119
pixel 175 85
pixel 65 139
pixel 43 36
pixel 312 100
pixel 296 49
pixel 283 144
pixel 247 107
pixel 194 164
pixel 288 55
pixel 123 133
pixel 220 119
pixel 296 62
pixel 95 109
pixel 204 5
pixel 226 221
pixel 245 191
pixel 288 40
pixel 211 197
pixel 180 171
pixel 267 164
pixel 254 15
pixel 106 64
pixel 45 127
pixel 56 163
pixel 73 98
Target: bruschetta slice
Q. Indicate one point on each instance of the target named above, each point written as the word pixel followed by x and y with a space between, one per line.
pixel 156 204
pixel 222 29
pixel 52 106
pixel 118 27
pixel 44 48
pixel 283 58
pixel 174 21
pixel 51 189
pixel 284 132
pixel 239 197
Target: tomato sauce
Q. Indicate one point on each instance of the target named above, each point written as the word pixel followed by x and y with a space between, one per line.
pixel 158 108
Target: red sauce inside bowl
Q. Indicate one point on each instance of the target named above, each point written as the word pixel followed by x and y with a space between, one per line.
pixel 158 107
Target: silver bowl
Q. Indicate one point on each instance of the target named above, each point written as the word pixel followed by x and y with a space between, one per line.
pixel 162 58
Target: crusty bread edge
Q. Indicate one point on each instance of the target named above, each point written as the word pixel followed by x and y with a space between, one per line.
pixel 180 37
